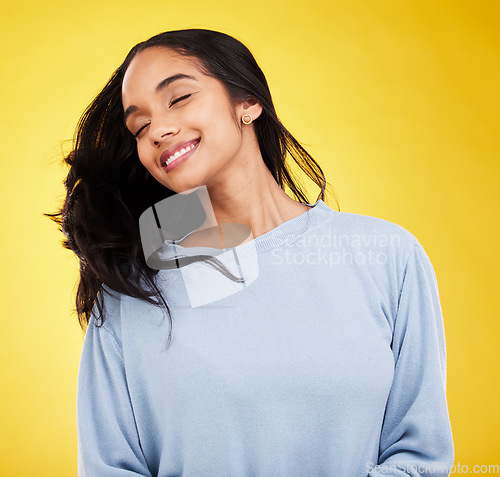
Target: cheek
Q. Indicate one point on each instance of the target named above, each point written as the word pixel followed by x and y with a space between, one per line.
pixel 218 125
pixel 148 161
pixel 145 158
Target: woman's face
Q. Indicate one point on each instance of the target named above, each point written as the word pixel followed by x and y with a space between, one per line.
pixel 186 127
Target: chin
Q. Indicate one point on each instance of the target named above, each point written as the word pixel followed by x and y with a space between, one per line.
pixel 188 191
pixel 182 188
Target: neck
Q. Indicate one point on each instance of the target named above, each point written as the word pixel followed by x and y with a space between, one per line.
pixel 248 194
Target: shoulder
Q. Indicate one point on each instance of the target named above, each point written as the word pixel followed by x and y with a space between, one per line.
pixel 110 320
pixel 376 227
pixel 357 231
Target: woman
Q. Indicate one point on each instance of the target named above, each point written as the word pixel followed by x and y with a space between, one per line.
pixel 313 344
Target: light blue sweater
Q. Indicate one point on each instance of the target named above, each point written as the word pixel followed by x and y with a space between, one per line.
pixel 329 361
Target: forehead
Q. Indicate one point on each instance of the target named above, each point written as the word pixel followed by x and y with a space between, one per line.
pixel 154 64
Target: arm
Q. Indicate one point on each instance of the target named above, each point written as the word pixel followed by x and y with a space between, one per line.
pixel 108 443
pixel 416 436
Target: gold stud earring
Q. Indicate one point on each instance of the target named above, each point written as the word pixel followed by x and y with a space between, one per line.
pixel 248 121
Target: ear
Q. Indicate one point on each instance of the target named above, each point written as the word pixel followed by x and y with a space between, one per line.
pixel 250 106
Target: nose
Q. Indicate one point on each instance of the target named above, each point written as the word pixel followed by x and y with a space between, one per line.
pixel 161 129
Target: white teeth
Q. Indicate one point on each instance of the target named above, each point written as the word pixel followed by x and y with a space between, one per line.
pixel 179 153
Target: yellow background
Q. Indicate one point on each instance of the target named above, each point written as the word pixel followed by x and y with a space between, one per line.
pixel 397 100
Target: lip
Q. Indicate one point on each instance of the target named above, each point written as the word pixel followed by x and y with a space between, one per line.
pixel 172 150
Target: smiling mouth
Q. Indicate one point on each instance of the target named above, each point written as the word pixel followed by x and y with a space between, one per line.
pixel 181 152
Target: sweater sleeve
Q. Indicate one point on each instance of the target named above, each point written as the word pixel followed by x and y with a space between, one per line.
pixel 416 437
pixel 108 442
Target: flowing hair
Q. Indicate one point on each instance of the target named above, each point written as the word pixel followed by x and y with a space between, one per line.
pixel 108 188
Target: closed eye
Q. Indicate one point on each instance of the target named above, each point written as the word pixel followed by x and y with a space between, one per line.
pixel 139 131
pixel 136 134
pixel 179 99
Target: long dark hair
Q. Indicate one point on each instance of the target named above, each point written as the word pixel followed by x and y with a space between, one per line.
pixel 108 188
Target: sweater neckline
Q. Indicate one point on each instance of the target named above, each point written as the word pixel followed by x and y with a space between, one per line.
pixel 285 233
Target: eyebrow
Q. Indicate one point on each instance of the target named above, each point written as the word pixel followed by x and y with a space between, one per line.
pixel 159 87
